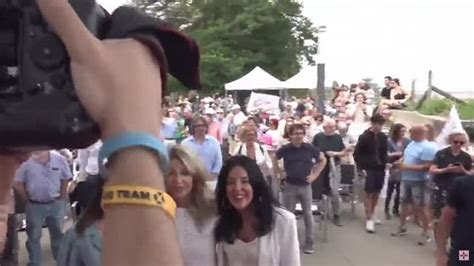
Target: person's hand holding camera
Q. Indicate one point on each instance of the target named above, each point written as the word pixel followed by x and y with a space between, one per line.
pixel 117 81
pixel 119 84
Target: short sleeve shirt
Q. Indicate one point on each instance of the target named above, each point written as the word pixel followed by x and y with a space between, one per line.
pixel 298 162
pixel 417 153
pixel 43 181
pixel 442 159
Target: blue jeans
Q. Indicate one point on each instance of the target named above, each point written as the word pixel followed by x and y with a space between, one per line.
pixel 36 215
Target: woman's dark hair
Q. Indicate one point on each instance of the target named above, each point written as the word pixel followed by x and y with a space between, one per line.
pixel 230 221
pixel 395 131
pixel 396 81
pixel 94 211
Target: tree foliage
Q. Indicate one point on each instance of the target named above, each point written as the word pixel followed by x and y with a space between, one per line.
pixel 236 35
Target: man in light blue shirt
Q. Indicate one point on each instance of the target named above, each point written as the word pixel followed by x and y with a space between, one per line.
pixel 204 146
pixel 42 183
pixel 417 160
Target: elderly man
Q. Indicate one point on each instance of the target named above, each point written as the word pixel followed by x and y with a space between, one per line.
pixel 331 144
pixel 418 157
pixel 42 183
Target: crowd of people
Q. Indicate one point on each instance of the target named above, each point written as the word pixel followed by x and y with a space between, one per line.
pixel 236 178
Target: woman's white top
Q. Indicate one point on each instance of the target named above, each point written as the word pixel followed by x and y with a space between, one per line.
pixel 277 248
pixel 263 159
pixel 242 253
pixel 197 244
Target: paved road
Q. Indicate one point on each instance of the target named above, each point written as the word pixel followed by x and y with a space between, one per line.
pixel 347 246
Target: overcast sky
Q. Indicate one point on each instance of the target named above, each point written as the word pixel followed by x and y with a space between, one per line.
pixel 403 38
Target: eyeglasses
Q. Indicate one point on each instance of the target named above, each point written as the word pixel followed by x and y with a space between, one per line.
pixel 298 133
pixel 196 126
pixel 458 142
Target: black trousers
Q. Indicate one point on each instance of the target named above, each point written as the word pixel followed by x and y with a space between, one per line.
pixel 393 186
pixel 9 256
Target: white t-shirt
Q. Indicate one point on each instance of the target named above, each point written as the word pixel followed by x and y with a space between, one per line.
pixel 241 253
pixel 197 244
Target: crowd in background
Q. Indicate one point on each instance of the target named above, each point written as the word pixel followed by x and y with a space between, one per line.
pixel 237 178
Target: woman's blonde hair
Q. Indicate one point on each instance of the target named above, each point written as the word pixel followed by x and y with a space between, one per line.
pixel 203 204
pixel 245 130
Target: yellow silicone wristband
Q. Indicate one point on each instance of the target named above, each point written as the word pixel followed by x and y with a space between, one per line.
pixel 139 195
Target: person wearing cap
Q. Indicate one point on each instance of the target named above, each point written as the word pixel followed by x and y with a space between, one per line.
pixel 235 119
pixel 448 164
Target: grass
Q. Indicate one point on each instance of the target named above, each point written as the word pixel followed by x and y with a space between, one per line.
pixel 441 107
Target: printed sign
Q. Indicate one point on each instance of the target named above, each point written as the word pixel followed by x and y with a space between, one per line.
pixel 263 102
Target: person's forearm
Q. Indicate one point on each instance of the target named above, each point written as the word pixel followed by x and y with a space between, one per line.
pixel 318 168
pixel 413 167
pixel 64 194
pixel 21 191
pixel 436 171
pixel 153 231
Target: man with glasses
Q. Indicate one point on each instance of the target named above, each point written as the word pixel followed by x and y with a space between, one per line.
pixel 448 164
pixel 418 157
pixel 302 163
pixel 207 148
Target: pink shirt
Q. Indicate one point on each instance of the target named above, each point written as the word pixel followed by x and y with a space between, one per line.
pixel 214 130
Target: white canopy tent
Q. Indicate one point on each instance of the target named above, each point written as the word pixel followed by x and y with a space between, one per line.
pixel 257 79
pixel 307 78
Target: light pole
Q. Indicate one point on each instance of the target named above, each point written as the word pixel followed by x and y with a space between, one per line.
pixel 320 90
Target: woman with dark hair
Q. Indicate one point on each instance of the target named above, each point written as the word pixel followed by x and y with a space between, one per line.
pixel 82 244
pixel 251 228
pixel 397 142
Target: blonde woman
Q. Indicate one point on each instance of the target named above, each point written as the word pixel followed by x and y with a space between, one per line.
pixel 250 147
pixel 196 212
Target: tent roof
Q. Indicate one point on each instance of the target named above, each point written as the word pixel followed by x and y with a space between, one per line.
pixel 257 79
pixel 307 78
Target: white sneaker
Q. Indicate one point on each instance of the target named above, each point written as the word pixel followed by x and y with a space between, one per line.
pixel 370 226
pixel 377 220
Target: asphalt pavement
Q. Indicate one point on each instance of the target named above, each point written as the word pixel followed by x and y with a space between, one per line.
pixel 349 245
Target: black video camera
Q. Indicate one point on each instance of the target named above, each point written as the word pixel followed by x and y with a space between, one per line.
pixel 38 105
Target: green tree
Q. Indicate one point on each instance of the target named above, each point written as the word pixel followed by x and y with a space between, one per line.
pixel 237 35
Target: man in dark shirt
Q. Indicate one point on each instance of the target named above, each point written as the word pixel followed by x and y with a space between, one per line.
pixel 385 93
pixel 457 220
pixel 332 145
pixel 448 164
pixel 371 156
pixel 302 163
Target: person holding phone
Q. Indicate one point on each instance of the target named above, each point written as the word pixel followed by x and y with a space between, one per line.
pixel 449 163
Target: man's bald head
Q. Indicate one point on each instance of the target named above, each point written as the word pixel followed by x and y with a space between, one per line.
pixel 329 126
pixel 418 132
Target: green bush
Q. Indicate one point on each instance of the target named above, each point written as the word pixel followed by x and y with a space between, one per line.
pixel 441 107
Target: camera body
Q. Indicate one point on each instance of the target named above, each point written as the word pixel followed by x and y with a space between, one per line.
pixel 38 105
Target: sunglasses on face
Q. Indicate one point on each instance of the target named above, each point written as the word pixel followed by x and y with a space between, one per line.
pixel 197 126
pixel 458 142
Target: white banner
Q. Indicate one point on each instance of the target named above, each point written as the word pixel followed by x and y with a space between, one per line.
pixel 264 103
